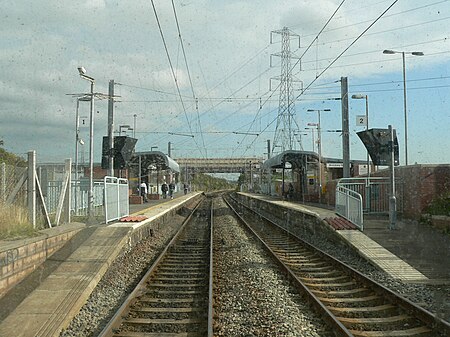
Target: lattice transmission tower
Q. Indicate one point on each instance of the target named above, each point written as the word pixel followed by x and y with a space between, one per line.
pixel 284 132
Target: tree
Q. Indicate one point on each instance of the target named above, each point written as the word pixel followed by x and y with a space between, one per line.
pixel 10 158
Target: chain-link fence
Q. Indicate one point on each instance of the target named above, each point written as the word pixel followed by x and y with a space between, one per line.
pixel 12 188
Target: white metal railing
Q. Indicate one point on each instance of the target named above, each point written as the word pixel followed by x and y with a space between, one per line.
pixel 349 204
pixel 375 192
pixel 116 198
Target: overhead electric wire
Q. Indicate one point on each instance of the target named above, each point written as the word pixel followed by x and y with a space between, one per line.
pixel 188 72
pixel 386 16
pixel 349 46
pixel 173 72
pixel 148 89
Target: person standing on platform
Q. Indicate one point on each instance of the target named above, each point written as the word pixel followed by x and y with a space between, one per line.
pixel 171 189
pixel 164 190
pixel 143 189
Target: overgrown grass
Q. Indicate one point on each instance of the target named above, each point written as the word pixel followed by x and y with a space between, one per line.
pixel 14 223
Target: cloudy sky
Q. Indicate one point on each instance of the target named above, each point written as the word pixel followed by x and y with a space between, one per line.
pixel 223 70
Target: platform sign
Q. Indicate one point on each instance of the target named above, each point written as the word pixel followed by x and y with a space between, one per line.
pixel 377 143
pixel 361 120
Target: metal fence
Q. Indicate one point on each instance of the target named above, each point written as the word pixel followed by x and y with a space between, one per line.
pixel 374 192
pixel 116 198
pixel 11 177
pixel 349 204
pixel 80 200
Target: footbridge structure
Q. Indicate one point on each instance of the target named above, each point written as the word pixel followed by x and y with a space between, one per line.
pixel 219 165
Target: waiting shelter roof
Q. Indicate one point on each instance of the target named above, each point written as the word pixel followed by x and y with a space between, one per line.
pixel 295 157
pixel 155 160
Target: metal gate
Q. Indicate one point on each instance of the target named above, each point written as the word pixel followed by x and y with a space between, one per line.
pixel 374 192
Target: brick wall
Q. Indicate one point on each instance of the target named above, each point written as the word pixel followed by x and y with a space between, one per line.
pixel 19 258
pixel 421 184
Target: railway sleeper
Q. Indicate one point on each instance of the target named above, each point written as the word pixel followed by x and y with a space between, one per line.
pixel 170 313
pixel 164 325
pixel 180 270
pixel 171 302
pixel 170 294
pixel 289 258
pixel 184 275
pixel 329 286
pixel 371 300
pixel 175 287
pixel 340 279
pixel 389 323
pixel 320 274
pixel 325 268
pixel 421 331
pixel 342 293
pixel 178 280
pixel 375 311
pixel 184 264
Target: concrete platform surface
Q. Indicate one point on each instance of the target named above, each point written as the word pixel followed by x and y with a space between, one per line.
pixel 46 301
pixel 412 252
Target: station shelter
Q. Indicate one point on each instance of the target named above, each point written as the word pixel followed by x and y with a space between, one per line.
pixel 154 168
pixel 302 169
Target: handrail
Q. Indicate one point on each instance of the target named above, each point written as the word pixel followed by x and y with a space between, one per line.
pixel 349 204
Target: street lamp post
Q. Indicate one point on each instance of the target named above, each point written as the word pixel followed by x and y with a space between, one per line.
pixel 312 136
pixel 415 53
pixel 134 127
pixel 320 148
pixel 83 75
pixel 368 197
pixel 84 98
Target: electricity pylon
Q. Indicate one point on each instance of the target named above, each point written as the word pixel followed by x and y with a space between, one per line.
pixel 284 132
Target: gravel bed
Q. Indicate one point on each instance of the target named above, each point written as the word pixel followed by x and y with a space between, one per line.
pixel 121 278
pixel 252 298
pixel 435 298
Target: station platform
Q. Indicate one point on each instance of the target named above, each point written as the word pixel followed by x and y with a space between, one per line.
pixel 46 301
pixel 412 252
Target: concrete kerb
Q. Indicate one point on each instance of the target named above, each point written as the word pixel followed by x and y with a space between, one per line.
pixel 313 222
pixel 99 251
pixel 307 219
pixel 157 216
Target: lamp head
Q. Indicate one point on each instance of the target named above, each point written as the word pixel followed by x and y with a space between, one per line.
pixel 388 51
pixel 417 53
pixel 359 96
pixel 81 71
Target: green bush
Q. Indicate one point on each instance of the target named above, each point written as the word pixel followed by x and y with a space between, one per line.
pixel 440 206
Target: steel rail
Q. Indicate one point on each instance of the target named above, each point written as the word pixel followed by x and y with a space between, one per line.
pixel 428 318
pixel 332 321
pixel 115 322
pixel 210 285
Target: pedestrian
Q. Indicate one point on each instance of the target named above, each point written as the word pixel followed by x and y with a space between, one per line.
pixel 185 188
pixel 291 191
pixel 143 189
pixel 164 190
pixel 171 189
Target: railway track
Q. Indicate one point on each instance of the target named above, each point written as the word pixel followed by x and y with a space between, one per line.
pixel 352 304
pixel 174 298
